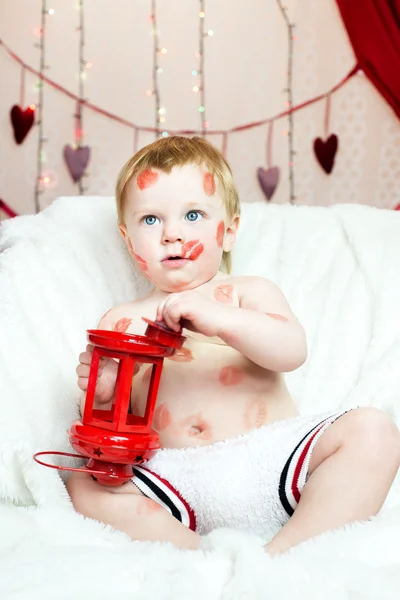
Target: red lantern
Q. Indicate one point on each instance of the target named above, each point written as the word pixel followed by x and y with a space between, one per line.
pixel 114 439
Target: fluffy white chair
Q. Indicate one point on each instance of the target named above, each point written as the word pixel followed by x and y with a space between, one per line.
pixel 60 271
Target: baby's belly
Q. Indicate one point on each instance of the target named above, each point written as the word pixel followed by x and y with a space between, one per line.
pixel 212 393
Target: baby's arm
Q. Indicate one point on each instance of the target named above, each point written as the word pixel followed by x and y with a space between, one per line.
pixel 264 329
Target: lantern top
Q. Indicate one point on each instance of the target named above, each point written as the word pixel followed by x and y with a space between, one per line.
pixel 160 333
pixel 128 342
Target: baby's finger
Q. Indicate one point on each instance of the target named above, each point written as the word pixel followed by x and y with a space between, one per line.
pixel 85 358
pixel 89 348
pixel 82 384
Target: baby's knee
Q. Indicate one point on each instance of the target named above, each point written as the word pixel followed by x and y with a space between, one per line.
pixel 377 434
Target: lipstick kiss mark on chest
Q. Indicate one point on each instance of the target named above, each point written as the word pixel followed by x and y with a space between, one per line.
pixel 224 294
pixel 122 325
pixel 230 376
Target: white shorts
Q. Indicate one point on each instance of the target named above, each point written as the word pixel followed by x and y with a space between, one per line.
pixel 252 482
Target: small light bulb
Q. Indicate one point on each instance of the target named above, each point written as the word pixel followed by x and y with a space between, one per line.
pixel 161 119
pixel 160 70
pixel 165 134
pixel 88 65
pixel 83 75
pixel 149 92
pixel 161 111
pixel 194 72
pixel 51 11
pixel 32 107
pixel 206 124
pixel 37 32
pixel 196 88
pixel 163 51
pixel 197 54
pixel 201 15
pixel 46 179
pixel 285 133
pixel 151 18
pixel 210 32
pixel 201 109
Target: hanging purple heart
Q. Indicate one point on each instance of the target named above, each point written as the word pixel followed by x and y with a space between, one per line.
pixel 325 152
pixel 268 180
pixel 77 160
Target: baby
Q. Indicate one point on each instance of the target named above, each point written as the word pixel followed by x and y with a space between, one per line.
pixel 235 453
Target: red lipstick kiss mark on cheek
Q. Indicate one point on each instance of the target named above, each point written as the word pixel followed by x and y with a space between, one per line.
pixel 220 234
pixel 192 249
pixel 209 184
pixel 142 264
pixel 230 376
pixel 277 317
pixel 224 294
pixel 146 179
pixel 122 325
pixel 162 418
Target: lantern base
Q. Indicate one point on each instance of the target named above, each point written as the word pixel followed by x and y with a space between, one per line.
pixel 114 475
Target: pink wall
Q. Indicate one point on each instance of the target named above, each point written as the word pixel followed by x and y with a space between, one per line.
pixel 245 74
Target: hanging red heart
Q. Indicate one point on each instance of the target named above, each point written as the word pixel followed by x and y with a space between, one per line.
pixel 22 121
pixel 325 152
pixel 77 160
pixel 268 180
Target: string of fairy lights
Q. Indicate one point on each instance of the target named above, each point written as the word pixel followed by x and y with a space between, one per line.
pixel 289 102
pixel 41 180
pixel 83 66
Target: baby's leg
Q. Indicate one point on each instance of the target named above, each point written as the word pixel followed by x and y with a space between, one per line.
pixel 128 510
pixel 352 467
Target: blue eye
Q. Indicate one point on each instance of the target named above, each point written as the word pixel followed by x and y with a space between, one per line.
pixel 193 215
pixel 150 220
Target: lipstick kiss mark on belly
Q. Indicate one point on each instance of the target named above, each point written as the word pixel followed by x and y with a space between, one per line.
pixel 209 184
pixel 192 249
pixel 230 376
pixel 220 234
pixel 224 294
pixel 146 179
pixel 162 418
pixel 122 325
pixel 255 414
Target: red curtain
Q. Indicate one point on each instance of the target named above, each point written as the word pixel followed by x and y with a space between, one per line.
pixel 373 27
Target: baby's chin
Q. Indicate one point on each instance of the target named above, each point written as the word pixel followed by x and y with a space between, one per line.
pixel 183 285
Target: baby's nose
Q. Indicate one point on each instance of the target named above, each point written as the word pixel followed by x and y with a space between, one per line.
pixel 172 234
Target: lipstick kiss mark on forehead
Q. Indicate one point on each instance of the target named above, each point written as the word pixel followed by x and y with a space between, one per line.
pixel 146 179
pixel 220 234
pixel 209 184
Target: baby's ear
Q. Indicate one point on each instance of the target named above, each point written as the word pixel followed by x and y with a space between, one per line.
pixel 124 232
pixel 230 234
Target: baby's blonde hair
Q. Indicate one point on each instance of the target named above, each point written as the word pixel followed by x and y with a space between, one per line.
pixel 166 153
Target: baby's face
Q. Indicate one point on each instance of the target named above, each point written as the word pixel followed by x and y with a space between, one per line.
pixel 176 227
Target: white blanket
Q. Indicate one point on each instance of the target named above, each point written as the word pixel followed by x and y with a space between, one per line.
pixel 60 271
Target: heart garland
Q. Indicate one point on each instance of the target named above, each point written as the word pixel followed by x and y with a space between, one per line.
pixel 269 178
pixel 76 159
pixel 325 150
pixel 22 121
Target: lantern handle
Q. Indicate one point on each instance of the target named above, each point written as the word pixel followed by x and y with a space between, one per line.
pixel 60 468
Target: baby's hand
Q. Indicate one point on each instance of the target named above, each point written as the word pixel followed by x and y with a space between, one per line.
pixel 106 377
pixel 193 311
